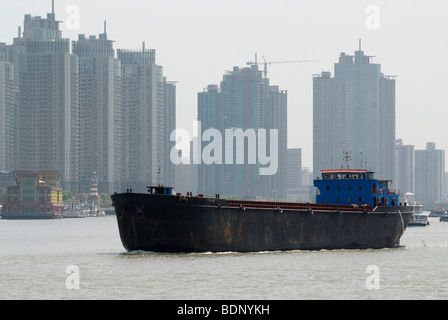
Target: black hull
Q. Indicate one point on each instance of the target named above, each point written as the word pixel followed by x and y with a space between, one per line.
pixel 176 224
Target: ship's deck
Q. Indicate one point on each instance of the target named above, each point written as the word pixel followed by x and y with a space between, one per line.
pixel 297 206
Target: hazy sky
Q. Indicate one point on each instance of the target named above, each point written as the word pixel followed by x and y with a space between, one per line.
pixel 196 41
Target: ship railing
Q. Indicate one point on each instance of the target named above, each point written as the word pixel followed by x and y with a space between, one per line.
pixel 297 206
pixel 386 192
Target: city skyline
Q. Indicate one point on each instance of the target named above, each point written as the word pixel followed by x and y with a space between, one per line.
pixel 72 109
pixel 195 43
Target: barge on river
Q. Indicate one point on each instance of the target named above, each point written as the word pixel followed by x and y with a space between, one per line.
pixel 353 210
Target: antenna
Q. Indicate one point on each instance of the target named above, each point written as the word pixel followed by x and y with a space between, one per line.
pixel 159 171
pixel 347 157
pixel 53 21
pixel 359 44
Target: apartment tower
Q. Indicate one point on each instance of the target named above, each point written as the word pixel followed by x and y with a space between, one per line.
pixel 149 105
pixel 48 108
pixel 354 117
pixel 101 131
pixel 244 101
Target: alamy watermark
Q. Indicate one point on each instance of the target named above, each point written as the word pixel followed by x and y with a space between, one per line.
pixel 73 21
pixel 373 280
pixel 373 17
pixel 73 280
pixel 230 148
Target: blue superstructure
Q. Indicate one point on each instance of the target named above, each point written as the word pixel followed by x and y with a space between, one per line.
pixel 356 187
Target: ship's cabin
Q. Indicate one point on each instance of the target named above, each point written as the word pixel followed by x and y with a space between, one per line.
pixel 352 186
pixel 160 190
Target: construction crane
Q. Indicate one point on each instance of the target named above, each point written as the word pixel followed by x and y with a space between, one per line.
pixel 266 63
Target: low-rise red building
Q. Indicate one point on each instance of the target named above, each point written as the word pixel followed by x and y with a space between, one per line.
pixel 36 195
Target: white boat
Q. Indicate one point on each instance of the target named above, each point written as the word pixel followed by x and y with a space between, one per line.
pixel 75 213
pixel 438 211
pixel 419 218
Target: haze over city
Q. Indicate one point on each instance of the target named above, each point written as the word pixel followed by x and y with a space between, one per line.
pixel 198 40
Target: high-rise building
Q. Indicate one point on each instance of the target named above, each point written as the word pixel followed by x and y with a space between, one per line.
pixel 245 101
pixel 210 113
pixel 429 174
pixel 405 167
pixel 48 109
pixel 169 125
pixel 147 98
pixel 354 112
pixel 8 98
pixel 277 118
pixel 294 174
pixel 100 110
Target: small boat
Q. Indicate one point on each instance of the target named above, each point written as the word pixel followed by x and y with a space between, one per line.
pixel 438 211
pixel 444 218
pixel 75 213
pixel 419 218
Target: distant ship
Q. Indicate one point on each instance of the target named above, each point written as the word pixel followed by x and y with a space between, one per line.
pixel 353 211
pixel 438 211
pixel 419 218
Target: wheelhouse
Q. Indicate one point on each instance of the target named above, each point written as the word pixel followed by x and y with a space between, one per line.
pixel 161 190
pixel 353 186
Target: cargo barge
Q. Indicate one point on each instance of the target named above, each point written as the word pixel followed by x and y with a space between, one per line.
pixel 352 211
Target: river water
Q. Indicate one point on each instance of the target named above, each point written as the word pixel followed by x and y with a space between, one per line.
pixel 84 259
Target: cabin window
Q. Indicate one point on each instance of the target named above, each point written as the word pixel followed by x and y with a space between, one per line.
pixel 339 188
pixel 349 188
pixel 327 200
pixel 361 200
pixel 360 188
pixel 337 199
pixel 328 188
pixel 349 199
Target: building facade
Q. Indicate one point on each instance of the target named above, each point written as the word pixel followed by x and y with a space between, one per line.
pixel 405 167
pixel 48 108
pixel 148 102
pixel 8 99
pixel 244 101
pixel 36 195
pixel 100 113
pixel 429 175
pixel 354 112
